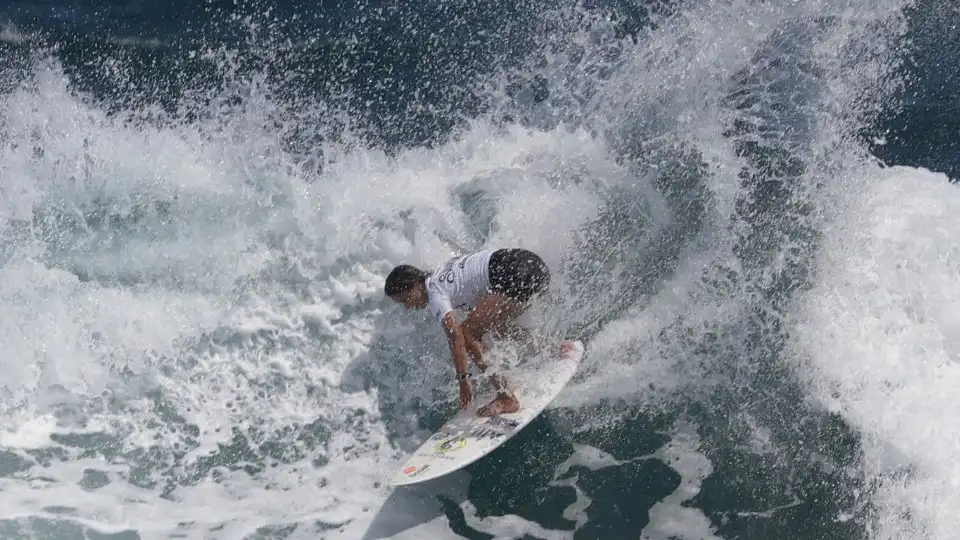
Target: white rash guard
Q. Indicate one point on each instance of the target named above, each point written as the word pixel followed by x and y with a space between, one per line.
pixel 458 283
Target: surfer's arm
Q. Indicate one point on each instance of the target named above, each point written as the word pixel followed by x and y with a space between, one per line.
pixel 458 346
pixel 458 343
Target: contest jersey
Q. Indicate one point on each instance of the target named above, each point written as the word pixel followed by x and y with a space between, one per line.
pixel 458 283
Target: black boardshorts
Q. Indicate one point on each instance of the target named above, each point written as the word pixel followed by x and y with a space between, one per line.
pixel 518 273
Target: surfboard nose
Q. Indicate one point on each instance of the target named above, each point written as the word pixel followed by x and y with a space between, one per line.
pixel 568 347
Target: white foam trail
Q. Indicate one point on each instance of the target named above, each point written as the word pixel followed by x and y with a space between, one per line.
pixel 669 519
pixel 155 291
pixel 75 336
pixel 882 332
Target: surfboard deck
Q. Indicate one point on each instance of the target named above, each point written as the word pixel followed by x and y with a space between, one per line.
pixel 466 437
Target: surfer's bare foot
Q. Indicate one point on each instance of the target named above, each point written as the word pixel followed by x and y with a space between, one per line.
pixel 566 346
pixel 502 404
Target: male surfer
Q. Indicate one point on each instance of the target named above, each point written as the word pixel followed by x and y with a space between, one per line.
pixel 496 284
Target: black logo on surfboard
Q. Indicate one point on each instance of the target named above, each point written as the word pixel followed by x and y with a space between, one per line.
pixel 494 428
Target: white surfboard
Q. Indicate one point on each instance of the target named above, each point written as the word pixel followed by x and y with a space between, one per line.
pixel 466 437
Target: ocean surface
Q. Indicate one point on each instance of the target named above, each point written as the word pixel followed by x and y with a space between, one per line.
pixel 749 208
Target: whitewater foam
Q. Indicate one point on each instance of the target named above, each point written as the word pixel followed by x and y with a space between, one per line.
pixel 883 337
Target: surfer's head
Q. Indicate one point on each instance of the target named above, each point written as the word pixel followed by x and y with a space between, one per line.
pixel 407 285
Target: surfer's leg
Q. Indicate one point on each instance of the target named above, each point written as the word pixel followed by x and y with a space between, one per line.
pixel 488 315
pixel 516 277
pixel 475 349
pixel 521 276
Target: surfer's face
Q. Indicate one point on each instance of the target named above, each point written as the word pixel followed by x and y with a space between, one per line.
pixel 415 298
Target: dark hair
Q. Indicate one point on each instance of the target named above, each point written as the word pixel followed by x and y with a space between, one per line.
pixel 403 278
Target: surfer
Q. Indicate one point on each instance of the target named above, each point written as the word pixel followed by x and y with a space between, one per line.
pixel 497 285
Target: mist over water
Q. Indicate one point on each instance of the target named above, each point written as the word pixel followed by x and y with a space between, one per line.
pixel 197 214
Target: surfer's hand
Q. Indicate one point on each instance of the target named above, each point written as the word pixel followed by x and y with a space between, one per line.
pixel 466 394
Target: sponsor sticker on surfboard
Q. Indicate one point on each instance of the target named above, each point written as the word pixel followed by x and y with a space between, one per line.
pixel 467 437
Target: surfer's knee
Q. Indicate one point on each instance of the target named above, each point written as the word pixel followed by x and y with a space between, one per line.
pixel 476 324
pixel 472 334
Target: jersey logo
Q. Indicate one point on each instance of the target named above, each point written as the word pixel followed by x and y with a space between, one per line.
pixel 447 275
